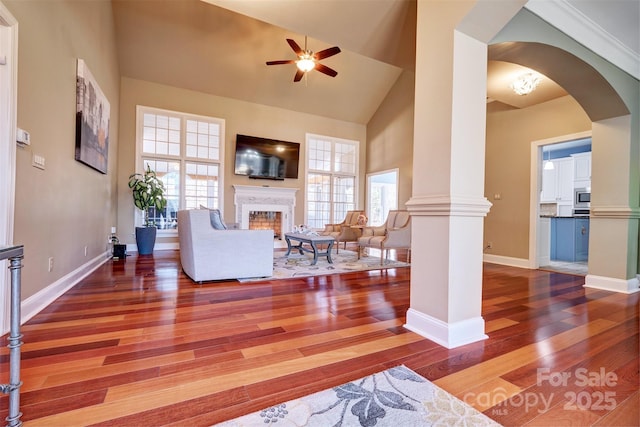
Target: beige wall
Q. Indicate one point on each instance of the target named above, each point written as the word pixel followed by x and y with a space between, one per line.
pixel 240 117
pixel 390 136
pixel 507 166
pixel 67 206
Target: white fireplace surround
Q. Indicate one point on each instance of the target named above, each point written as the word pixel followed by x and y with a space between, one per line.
pixel 249 198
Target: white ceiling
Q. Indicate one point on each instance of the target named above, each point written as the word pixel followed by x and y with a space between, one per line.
pixel 221 46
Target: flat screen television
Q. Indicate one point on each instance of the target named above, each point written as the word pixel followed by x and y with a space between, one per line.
pixel 264 158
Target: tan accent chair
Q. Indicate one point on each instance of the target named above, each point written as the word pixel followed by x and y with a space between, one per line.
pixel 395 233
pixel 344 232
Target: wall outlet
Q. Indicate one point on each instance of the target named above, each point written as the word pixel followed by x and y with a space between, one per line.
pixel 50 263
pixel 85 251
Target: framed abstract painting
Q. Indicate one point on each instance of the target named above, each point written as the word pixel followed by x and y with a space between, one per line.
pixel 92 121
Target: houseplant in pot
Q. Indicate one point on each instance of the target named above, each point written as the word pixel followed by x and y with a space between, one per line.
pixel 148 192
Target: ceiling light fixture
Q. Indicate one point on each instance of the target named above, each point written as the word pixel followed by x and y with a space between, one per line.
pixel 548 165
pixel 305 63
pixel 526 83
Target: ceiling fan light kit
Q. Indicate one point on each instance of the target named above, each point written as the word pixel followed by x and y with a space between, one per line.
pixel 305 64
pixel 307 60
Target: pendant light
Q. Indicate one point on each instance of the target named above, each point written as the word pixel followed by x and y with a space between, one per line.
pixel 548 165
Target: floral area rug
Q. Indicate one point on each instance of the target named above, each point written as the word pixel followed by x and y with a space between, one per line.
pixel 296 265
pixel 397 397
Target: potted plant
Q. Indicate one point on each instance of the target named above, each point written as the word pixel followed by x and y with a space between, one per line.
pixel 148 192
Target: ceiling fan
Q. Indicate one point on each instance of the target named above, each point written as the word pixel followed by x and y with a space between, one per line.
pixel 307 60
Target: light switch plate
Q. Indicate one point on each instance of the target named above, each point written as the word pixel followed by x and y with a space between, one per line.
pixel 38 161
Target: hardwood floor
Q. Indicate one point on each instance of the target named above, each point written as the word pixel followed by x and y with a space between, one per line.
pixel 138 344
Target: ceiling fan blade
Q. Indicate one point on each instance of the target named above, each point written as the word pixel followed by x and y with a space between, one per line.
pixel 327 53
pixel 298 77
pixel 326 70
pixel 295 47
pixel 284 61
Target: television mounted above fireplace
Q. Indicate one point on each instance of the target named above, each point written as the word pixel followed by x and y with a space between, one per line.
pixel 263 158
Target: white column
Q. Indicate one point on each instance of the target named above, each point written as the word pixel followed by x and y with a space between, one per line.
pixel 613 242
pixel 448 205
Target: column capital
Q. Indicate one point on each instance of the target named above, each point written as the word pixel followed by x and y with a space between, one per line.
pixel 448 205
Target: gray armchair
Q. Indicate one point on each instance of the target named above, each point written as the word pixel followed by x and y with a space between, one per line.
pixel 395 233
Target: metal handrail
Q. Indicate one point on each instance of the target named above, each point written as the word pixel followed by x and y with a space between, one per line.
pixel 14 254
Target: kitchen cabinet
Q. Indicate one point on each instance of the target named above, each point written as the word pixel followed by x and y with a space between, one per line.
pixel 582 239
pixel 569 239
pixel 544 240
pixel 582 167
pixel 557 185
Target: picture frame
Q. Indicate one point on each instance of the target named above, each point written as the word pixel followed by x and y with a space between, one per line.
pixel 92 121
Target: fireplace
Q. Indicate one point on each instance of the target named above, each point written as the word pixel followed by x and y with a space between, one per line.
pixel 265 220
pixel 276 201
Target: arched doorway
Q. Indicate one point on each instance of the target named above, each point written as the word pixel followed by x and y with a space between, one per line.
pixel 613 242
pixel 448 204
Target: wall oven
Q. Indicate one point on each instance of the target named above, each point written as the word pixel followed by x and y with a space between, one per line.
pixel 582 198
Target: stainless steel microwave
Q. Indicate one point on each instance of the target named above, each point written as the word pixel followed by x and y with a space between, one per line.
pixel 582 198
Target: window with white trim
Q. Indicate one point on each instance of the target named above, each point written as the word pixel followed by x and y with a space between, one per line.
pixel 186 152
pixel 332 171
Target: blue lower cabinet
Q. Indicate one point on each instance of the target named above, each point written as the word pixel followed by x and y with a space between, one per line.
pixel 569 239
pixel 554 244
pixel 582 239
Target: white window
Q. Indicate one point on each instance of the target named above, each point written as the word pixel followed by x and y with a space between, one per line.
pixel 332 170
pixel 186 152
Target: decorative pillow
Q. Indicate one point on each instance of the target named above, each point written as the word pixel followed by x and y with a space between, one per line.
pixel 216 218
pixel 362 220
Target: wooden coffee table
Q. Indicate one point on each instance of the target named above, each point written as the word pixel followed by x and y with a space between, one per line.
pixel 316 243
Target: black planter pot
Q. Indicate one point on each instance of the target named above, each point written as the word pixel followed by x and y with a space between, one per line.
pixel 145 239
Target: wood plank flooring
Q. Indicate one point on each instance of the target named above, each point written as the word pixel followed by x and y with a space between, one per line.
pixel 137 343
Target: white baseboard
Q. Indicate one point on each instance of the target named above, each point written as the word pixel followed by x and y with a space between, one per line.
pixel 449 335
pixel 38 301
pixel 611 284
pixel 505 260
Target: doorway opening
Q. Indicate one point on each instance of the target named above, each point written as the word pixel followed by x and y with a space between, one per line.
pixel 563 205
pixel 8 112
pixel 382 195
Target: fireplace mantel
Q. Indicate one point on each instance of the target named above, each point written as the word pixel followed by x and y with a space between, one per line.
pixel 249 198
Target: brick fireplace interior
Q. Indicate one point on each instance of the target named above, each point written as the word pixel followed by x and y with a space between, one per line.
pixel 262 220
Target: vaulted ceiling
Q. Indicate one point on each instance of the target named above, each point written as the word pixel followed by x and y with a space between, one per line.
pixel 202 47
pixel 220 47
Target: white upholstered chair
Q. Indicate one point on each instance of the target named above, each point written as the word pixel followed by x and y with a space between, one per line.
pixel 207 253
pixel 395 233
pixel 344 231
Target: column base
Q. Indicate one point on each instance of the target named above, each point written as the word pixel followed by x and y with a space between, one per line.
pixel 611 284
pixel 449 335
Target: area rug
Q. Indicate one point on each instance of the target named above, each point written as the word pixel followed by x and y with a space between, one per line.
pixel 296 265
pixel 397 397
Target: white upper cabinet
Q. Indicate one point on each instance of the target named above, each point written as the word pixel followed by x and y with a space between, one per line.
pixel 557 183
pixel 582 166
